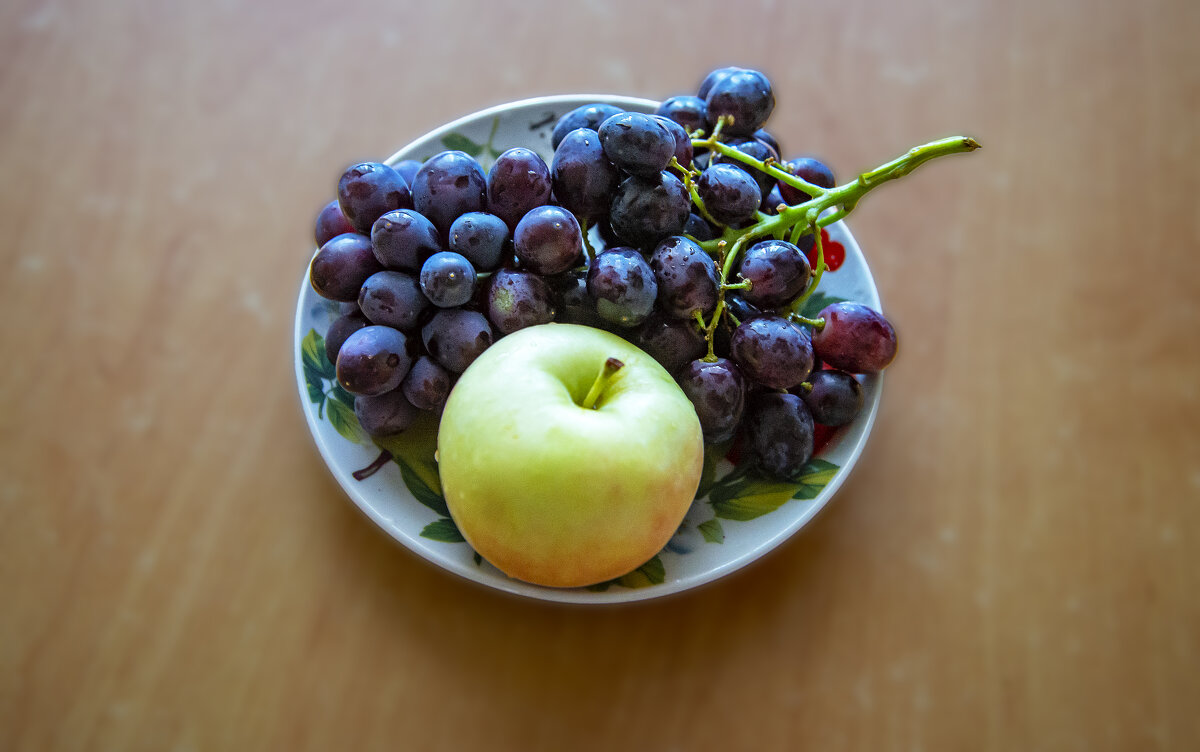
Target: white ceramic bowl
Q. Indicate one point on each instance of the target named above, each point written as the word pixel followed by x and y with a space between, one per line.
pixel 739 519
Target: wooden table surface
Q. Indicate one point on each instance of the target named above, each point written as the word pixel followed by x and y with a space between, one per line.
pixel 1015 564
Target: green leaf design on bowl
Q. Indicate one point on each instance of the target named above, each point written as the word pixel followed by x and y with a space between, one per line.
pixel 344 421
pixel 817 474
pixel 312 355
pixel 743 496
pixel 749 497
pixel 320 378
pixel 459 142
pixel 712 531
pixel 817 302
pixel 651 573
pixel 708 475
pixel 443 530
pixel 421 490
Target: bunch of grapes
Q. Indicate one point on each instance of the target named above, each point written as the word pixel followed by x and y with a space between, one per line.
pixel 703 239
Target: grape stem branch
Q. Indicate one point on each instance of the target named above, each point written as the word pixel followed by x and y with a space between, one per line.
pixel 798 304
pixel 585 230
pixel 841 199
pixel 824 207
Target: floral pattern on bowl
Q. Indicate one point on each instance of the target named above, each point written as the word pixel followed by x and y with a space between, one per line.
pixel 737 516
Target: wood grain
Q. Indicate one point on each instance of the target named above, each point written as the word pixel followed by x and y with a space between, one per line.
pixel 1012 566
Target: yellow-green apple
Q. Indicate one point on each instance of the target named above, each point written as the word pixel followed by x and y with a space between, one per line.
pixel 567 455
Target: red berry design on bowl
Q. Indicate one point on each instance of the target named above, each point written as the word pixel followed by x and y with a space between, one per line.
pixel 835 253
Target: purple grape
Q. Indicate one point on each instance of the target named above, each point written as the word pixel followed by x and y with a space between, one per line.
pixel 772 202
pixel 720 74
pixel 835 398
pixel 769 140
pixel 729 194
pixel 573 304
pixel 744 95
pixel 809 170
pixel 623 286
pixel 670 341
pixel 455 337
pixel 518 181
pixel 403 239
pixel 778 435
pixel 604 229
pixel 368 190
pixel 373 360
pixel 683 142
pixel 718 392
pixel 698 228
pixel 646 210
pixel 741 309
pixel 773 351
pixel 548 240
pixel 777 270
pixel 806 242
pixel 447 279
pixel 482 238
pixel 722 334
pixel 855 339
pixel 407 169
pixel 637 143
pixel 588 116
pixel 341 266
pixel 385 414
pixel 341 328
pixel 760 151
pixel 687 278
pixel 689 112
pixel 447 186
pixel 393 299
pixel 427 384
pixel 331 223
pixel 584 179
pixel 517 299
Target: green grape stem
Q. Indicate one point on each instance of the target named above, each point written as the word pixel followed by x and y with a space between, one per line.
pixel 585 229
pixel 689 183
pixel 843 197
pixel 767 166
pixel 798 304
pixel 825 207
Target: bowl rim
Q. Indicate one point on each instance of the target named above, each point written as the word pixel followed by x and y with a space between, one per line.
pixel 357 492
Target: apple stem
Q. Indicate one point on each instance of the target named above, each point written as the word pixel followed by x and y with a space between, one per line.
pixel 610 367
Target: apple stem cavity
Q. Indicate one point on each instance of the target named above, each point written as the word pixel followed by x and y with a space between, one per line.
pixel 610 367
